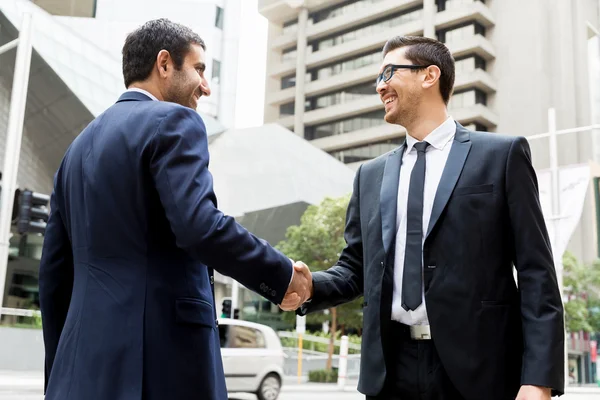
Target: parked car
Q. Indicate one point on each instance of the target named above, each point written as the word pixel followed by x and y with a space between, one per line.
pixel 252 358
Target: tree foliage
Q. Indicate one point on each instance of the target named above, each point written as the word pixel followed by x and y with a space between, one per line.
pixel 318 242
pixel 582 286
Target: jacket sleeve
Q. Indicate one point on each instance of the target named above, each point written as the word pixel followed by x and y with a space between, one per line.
pixel 541 304
pixel 55 282
pixel 179 162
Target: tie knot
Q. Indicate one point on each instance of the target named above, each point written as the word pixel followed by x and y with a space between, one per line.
pixel 421 146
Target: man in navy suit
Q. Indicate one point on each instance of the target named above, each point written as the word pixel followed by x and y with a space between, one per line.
pixel 126 276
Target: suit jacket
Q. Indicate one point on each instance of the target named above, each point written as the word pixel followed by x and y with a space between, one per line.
pixel 126 276
pixel 491 335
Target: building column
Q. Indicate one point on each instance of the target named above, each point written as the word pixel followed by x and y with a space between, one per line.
pixel 300 72
pixel 429 11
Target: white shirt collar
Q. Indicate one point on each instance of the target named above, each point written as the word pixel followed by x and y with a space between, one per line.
pixel 143 92
pixel 438 138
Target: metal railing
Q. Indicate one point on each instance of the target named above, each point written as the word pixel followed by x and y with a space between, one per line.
pixel 19 312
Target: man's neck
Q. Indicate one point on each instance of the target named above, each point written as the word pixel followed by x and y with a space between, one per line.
pixel 427 122
pixel 148 88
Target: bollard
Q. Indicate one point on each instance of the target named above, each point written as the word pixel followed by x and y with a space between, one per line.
pixel 343 365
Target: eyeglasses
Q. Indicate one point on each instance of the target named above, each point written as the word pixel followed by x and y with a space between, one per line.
pixel 389 70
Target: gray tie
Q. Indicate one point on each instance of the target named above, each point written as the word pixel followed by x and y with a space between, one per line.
pixel 412 281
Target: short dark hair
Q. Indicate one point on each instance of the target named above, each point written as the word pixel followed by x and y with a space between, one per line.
pixel 425 51
pixel 143 45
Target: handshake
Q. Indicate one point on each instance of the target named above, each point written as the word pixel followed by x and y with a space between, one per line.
pixel 300 289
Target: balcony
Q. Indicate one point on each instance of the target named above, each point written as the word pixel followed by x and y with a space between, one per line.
pixel 476 11
pixel 329 84
pixel 359 138
pixel 349 49
pixel 478 79
pixel 338 111
pixel 477 113
pixel 370 13
pixel 475 44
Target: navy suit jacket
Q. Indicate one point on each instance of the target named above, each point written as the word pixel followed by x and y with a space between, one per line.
pixel 126 281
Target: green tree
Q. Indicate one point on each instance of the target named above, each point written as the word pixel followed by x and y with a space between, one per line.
pixel 318 242
pixel 582 285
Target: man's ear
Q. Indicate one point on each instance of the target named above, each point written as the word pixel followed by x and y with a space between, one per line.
pixel 163 59
pixel 432 76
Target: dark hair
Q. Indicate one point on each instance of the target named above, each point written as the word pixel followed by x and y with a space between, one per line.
pixel 143 45
pixel 425 51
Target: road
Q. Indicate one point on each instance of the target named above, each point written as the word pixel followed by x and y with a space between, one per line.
pixel 28 386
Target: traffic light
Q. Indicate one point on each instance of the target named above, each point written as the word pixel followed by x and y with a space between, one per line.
pixel 226 309
pixel 236 313
pixel 33 212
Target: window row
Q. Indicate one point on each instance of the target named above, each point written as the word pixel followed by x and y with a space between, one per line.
pixel 330 99
pixel 364 121
pixel 356 32
pixel 367 152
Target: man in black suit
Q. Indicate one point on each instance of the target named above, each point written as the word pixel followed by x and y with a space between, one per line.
pixel 433 231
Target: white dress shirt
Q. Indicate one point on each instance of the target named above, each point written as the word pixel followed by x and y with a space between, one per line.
pixel 143 92
pixel 440 143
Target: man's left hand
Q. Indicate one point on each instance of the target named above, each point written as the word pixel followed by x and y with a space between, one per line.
pixel 533 393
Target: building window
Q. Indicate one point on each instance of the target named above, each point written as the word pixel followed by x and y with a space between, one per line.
pixel 290 26
pixel 367 29
pixel 287 108
pixel 461 32
pixel 349 64
pixel 342 96
pixel 443 5
pixel 367 152
pixel 345 8
pixel 467 98
pixel 219 18
pixel 469 64
pixel 216 71
pixel 359 122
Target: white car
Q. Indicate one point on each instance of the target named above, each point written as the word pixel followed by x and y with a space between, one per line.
pixel 252 358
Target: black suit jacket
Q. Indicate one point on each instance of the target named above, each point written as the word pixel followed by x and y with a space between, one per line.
pixel 126 276
pixel 491 336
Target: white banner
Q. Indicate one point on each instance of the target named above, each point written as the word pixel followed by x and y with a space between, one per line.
pixel 573 182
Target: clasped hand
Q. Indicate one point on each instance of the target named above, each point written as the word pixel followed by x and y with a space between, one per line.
pixel 300 288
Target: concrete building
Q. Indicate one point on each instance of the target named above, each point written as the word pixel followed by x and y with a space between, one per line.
pixel 514 61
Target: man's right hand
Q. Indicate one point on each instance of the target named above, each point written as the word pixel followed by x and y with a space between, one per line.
pixel 300 288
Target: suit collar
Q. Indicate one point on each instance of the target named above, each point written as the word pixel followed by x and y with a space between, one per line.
pixel 132 95
pixel 391 179
pixel 438 138
pixel 389 194
pixel 452 171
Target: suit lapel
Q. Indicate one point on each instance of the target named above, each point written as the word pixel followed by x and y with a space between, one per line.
pixel 389 196
pixel 452 170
